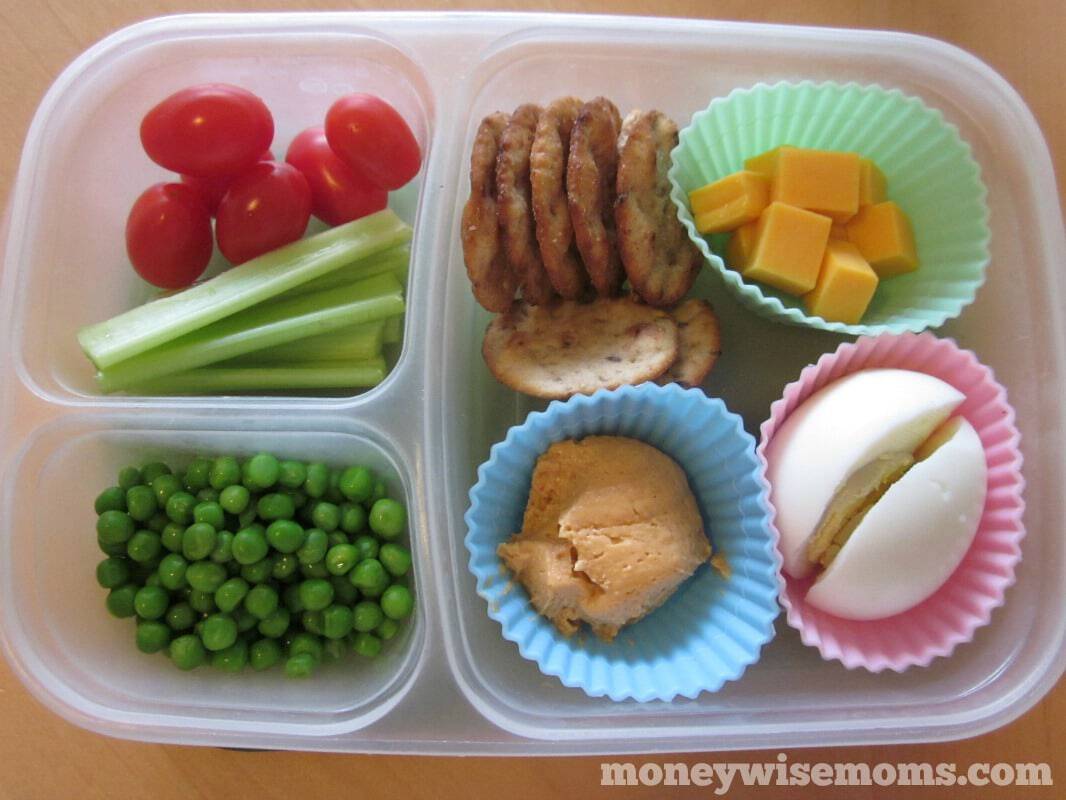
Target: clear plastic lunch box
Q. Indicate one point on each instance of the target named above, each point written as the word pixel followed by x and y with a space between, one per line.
pixel 453 685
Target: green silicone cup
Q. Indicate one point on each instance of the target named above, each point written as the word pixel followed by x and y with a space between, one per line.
pixel 930 171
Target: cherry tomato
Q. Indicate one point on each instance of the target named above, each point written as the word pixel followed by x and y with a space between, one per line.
pixel 339 193
pixel 168 235
pixel 207 130
pixel 372 137
pixel 266 207
pixel 212 189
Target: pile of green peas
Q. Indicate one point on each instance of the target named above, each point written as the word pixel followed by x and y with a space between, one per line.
pixel 255 562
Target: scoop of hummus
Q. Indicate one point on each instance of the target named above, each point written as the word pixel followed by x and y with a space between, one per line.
pixel 610 531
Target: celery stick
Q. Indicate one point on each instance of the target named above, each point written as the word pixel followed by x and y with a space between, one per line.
pixel 394 261
pixel 217 379
pixel 356 343
pixel 167 318
pixel 393 331
pixel 260 327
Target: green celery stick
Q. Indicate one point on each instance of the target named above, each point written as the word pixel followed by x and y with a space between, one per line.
pixel 167 318
pixel 264 326
pixel 356 343
pixel 393 332
pixel 311 375
pixel 394 261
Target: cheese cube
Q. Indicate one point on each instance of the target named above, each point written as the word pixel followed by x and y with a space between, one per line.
pixel 765 163
pixel 883 235
pixel 846 285
pixel 872 183
pixel 822 181
pixel 839 232
pixel 730 202
pixel 741 244
pixel 789 246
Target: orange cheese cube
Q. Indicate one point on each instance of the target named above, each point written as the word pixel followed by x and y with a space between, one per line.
pixel 789 245
pixel 839 232
pixel 765 163
pixel 728 203
pixel 883 235
pixel 822 181
pixel 872 183
pixel 846 285
pixel 741 245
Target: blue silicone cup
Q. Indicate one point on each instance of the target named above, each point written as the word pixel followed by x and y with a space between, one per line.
pixel 713 626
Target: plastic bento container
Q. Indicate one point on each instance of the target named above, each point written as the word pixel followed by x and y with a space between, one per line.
pixel 455 686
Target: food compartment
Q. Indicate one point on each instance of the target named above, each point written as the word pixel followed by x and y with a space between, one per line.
pixel 84 166
pixel 980 685
pixel 82 662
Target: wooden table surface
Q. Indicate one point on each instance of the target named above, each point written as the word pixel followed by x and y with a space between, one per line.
pixel 42 756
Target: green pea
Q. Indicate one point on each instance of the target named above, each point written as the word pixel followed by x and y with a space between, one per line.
pixel 367 546
pixel 264 654
pixel 211 513
pixel 111 499
pixel 120 601
pixel 326 516
pixel 369 577
pixel 172 571
pixel 316 594
pixel 388 518
pixel 333 492
pixel 316 570
pixel 259 572
pixel 341 558
pixel 387 628
pixel 180 617
pixel 261 471
pixel 285 567
pixel 292 474
pixel 158 522
pixel 151 471
pixel 275 506
pixel 235 499
pixel 353 518
pixel 250 545
pixel 312 622
pixel 366 644
pixel 172 537
pixel 129 476
pixel 113 572
pixel 337 621
pixel 207 495
pixel 380 492
pixel 306 643
pixel 299 499
pixel 276 623
pixel 315 546
pixel 336 538
pixel 179 507
pixel 246 620
pixel 225 471
pixel 140 503
pixel 164 487
pixel 300 666
pixel 219 632
pixel 291 598
pixel 357 484
pixel 223 552
pixel 317 481
pixel 396 602
pixel 285 536
pixel 112 550
pixel 152 636
pixel 231 659
pixel 206 576
pixel 201 601
pixel 198 541
pixel 343 591
pixel 334 649
pixel 153 580
pixel 144 547
pixel 395 559
pixel 151 602
pixel 198 475
pixel 187 652
pixel 230 594
pixel 247 518
pixel 261 601
pixel 366 616
pixel 116 527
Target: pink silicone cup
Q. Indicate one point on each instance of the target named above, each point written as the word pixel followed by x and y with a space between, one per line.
pixel 966 600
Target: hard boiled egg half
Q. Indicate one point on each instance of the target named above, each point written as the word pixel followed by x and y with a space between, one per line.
pixel 878 490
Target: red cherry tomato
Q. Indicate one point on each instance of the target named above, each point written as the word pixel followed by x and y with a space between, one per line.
pixel 168 235
pixel 207 130
pixel 266 207
pixel 339 194
pixel 212 189
pixel 372 137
